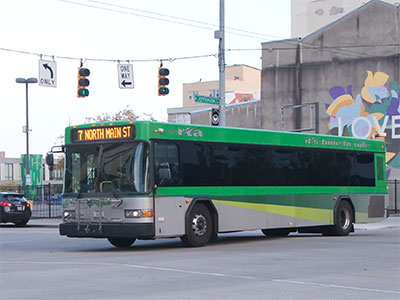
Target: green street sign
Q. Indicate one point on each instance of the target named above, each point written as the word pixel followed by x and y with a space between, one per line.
pixel 204 99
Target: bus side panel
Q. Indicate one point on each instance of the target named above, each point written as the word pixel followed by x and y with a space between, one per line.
pixel 170 216
pixel 274 211
pixel 237 216
pixel 370 208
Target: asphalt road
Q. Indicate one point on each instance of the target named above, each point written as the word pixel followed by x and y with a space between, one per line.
pixel 37 263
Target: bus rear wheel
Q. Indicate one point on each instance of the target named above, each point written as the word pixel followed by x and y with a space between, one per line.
pixel 199 227
pixel 344 219
pixel 121 242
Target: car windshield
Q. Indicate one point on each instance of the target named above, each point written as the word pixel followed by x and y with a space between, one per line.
pixel 107 168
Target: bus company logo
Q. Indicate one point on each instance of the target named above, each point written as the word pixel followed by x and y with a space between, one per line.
pixel 192 132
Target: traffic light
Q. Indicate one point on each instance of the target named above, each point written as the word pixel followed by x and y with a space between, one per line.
pixel 83 82
pixel 163 81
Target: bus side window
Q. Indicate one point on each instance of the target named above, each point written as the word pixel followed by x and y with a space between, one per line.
pixel 167 153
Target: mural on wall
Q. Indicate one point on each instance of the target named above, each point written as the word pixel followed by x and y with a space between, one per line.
pixel 376 109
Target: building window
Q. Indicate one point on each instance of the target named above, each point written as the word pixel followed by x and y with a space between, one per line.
pixel 192 94
pixel 180 118
pixel 214 93
pixel 9 172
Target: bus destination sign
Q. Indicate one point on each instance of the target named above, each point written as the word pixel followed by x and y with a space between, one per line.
pixel 98 134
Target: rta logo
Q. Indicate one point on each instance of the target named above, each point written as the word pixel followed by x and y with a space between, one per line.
pixel 190 132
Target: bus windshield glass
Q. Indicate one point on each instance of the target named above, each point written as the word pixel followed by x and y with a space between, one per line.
pixel 107 168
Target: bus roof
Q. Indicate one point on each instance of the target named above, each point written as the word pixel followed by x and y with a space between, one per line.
pixel 147 130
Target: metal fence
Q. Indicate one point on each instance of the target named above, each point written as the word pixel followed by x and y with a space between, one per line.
pixel 394 197
pixel 45 199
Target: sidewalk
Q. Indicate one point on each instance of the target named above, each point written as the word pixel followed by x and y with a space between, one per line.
pixel 391 222
pixel 49 223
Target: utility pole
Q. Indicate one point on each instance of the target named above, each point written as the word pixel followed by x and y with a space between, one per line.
pixel 220 34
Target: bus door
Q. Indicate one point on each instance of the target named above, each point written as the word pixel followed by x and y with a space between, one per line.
pixel 169 208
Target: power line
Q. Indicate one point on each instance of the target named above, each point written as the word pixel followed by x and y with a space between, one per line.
pixel 171 59
pixel 315 47
pixel 171 19
pixel 203 25
pixel 214 26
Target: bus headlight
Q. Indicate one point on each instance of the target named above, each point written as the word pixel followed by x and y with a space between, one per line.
pixel 138 213
pixel 69 214
pixel 132 213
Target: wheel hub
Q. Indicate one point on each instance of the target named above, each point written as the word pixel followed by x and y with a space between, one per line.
pixel 345 218
pixel 199 225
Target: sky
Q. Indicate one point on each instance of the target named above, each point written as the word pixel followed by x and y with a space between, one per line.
pixel 102 32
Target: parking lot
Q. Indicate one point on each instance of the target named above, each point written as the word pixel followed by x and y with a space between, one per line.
pixel 37 263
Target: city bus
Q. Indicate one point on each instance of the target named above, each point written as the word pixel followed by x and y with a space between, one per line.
pixel 130 180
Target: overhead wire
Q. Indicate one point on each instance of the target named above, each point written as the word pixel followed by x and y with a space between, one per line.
pixel 213 26
pixel 205 25
pixel 344 50
pixel 172 59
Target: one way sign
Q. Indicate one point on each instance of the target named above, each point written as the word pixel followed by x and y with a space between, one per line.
pixel 125 76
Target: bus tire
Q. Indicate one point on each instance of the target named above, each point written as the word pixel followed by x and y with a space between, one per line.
pixel 199 226
pixel 344 219
pixel 276 232
pixel 121 242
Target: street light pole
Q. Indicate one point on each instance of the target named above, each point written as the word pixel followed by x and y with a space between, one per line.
pixel 27 81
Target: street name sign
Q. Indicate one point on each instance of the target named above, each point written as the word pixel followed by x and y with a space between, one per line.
pixel 125 76
pixel 48 73
pixel 204 99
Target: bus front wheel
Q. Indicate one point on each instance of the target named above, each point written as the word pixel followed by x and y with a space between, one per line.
pixel 121 242
pixel 198 227
pixel 344 219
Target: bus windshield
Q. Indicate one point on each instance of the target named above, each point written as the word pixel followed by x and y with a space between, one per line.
pixel 107 168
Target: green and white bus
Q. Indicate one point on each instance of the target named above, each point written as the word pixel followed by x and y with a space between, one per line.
pixel 146 180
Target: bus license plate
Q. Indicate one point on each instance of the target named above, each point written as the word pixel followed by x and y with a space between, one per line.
pixel 97 214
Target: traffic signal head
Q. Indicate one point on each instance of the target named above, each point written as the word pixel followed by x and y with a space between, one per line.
pixel 83 82
pixel 163 81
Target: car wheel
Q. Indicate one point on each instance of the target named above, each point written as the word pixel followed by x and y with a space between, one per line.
pixel 21 223
pixel 121 242
pixel 199 227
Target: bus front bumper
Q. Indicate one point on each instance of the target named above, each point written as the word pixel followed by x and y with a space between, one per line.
pixel 132 230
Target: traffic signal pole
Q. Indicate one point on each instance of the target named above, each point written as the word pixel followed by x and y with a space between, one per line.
pixel 221 61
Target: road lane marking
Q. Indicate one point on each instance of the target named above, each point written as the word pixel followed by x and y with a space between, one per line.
pixel 336 286
pixel 200 273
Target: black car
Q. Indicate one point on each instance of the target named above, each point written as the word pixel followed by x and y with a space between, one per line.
pixel 14 209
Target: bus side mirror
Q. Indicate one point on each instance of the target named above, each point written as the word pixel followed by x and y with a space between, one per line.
pixel 50 160
pixel 164 172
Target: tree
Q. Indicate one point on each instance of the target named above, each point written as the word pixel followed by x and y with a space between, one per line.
pixel 125 114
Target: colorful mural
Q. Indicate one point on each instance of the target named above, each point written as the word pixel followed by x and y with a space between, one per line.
pixel 376 109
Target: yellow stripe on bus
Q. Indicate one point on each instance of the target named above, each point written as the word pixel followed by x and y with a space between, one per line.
pixel 313 214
